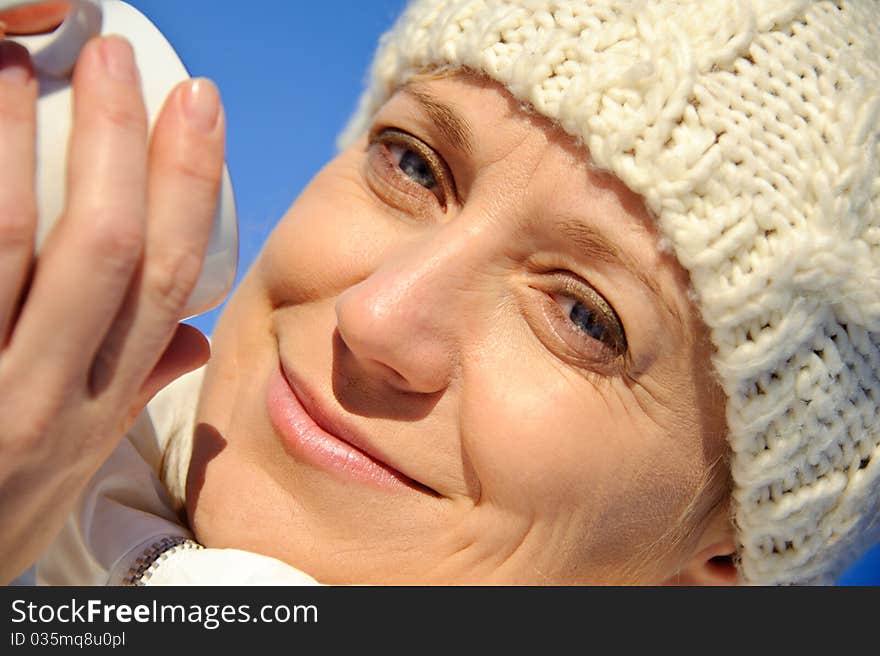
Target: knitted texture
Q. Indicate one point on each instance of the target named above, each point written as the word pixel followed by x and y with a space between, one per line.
pixel 750 128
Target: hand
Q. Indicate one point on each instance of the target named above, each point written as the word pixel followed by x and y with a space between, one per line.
pixel 89 330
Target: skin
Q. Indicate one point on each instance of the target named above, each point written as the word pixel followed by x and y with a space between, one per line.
pixel 33 19
pixel 89 329
pixel 437 321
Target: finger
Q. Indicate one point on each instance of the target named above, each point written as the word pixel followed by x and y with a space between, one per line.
pixel 189 349
pixel 18 211
pixel 186 164
pixel 34 19
pixel 86 265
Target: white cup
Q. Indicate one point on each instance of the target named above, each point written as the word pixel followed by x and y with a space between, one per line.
pixel 54 56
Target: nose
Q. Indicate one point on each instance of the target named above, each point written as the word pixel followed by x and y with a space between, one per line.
pixel 401 324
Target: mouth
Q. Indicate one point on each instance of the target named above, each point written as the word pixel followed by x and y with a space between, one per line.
pixel 310 432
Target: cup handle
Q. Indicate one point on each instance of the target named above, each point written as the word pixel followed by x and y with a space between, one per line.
pixel 55 54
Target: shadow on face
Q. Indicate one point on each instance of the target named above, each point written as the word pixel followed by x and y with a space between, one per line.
pixel 207 445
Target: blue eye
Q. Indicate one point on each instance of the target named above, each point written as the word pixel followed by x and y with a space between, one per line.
pixel 585 318
pixel 407 169
pixel 414 166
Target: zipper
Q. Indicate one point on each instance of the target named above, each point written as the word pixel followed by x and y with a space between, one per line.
pixel 150 559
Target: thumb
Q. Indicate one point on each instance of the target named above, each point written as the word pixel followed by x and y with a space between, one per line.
pixel 188 350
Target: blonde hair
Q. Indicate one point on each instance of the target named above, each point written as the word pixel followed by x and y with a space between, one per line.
pixel 712 495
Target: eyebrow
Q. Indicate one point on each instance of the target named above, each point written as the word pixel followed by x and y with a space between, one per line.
pixel 590 242
pixel 452 126
pixel 593 244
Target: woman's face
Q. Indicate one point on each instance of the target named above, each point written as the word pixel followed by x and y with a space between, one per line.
pixel 460 357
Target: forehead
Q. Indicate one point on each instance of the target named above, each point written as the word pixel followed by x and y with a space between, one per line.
pixel 481 119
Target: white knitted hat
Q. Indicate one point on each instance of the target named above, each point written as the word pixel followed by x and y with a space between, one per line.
pixel 752 130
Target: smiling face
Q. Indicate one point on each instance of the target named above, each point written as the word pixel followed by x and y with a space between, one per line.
pixel 461 357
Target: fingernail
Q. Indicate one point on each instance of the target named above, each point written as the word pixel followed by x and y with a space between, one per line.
pixel 119 59
pixel 201 104
pixel 14 63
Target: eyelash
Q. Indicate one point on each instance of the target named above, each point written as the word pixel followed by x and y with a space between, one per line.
pixel 581 347
pixel 389 181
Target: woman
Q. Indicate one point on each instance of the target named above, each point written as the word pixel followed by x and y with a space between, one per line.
pixel 588 296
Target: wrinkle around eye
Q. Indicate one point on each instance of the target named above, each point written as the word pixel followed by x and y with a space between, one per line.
pixel 543 316
pixel 389 180
pixel 402 198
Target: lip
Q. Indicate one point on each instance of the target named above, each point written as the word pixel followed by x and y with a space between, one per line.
pixel 311 434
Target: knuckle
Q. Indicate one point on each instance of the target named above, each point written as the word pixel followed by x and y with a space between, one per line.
pixel 29 438
pixel 195 167
pixel 128 116
pixel 17 226
pixel 116 239
pixel 14 111
pixel 170 281
pixel 116 229
pixel 28 431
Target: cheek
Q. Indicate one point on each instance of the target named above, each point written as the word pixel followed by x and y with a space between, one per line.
pixel 547 443
pixel 535 430
pixel 331 238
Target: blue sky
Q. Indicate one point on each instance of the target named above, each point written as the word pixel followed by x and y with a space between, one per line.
pixel 290 73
